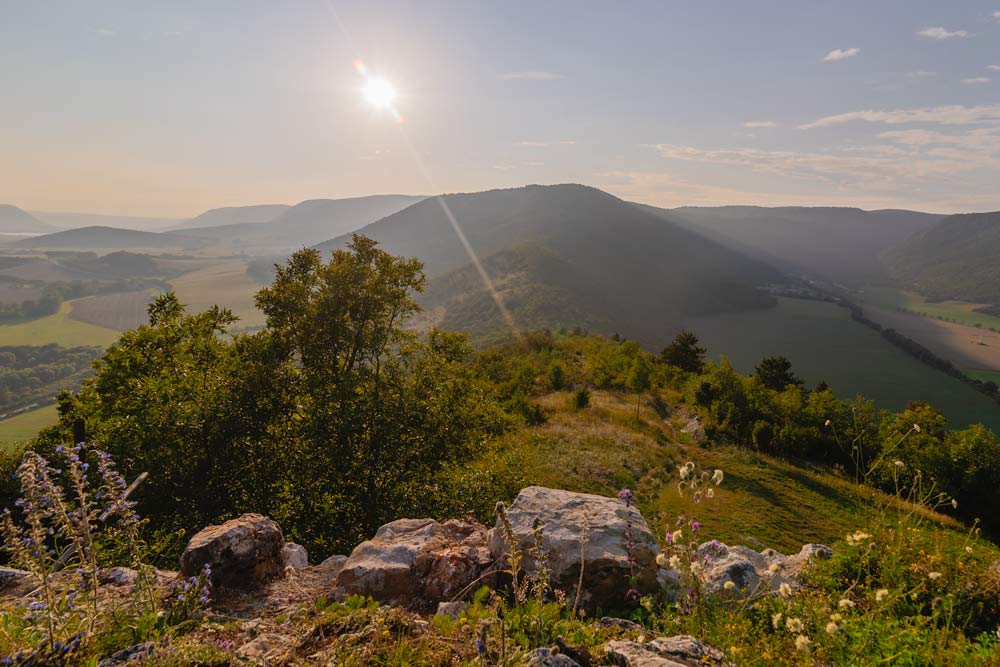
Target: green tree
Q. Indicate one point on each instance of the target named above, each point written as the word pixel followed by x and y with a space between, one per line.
pixel 685 353
pixel 776 373
pixel 638 381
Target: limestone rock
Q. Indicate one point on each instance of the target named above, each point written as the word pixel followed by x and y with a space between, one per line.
pixel 294 555
pixel 605 556
pixel 546 657
pixel 242 553
pixel 333 563
pixel 679 651
pixel 416 562
pixel 453 609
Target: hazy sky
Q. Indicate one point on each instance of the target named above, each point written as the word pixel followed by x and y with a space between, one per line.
pixel 171 108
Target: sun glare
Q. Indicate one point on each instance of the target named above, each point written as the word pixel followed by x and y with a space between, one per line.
pixel 379 93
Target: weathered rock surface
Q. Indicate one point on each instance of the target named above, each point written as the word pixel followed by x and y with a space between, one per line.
pixel 546 657
pixel 294 555
pixel 679 651
pixel 243 552
pixel 416 562
pixel 605 557
pixel 751 572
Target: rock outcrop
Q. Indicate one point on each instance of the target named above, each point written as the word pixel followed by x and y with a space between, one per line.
pixel 416 562
pixel 294 555
pixel 679 651
pixel 582 530
pixel 242 553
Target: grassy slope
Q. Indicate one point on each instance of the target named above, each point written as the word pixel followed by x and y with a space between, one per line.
pixel 224 284
pixel 764 502
pixel 25 426
pixel 57 328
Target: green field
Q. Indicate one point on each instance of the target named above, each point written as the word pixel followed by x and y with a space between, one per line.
pixel 958 311
pixel 58 328
pixel 825 344
pixel 985 376
pixel 25 426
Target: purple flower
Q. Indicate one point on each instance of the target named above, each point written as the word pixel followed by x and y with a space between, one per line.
pixel 695 526
pixel 625 495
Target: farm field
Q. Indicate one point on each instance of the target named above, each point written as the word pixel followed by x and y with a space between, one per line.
pixel 225 284
pixel 962 345
pixel 58 328
pixel 121 311
pixel 25 426
pixel 825 344
pixel 888 298
pixel 985 376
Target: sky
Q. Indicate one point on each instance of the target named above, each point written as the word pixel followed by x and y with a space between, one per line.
pixel 172 108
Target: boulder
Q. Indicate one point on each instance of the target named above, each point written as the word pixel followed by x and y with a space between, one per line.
pixel 294 555
pixel 453 609
pixel 546 657
pixel 604 555
pixel 679 651
pixel 416 562
pixel 333 563
pixel 242 553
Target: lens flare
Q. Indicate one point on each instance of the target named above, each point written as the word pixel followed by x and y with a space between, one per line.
pixel 378 92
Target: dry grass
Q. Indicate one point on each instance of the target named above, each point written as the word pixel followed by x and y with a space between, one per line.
pixel 121 311
pixel 223 284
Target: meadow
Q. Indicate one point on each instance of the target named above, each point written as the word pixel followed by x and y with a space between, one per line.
pixel 960 312
pixel 825 345
pixel 58 328
pixel 225 283
pixel 119 311
pixel 25 426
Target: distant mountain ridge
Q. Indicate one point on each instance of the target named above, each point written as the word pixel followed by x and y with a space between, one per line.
pixel 14 220
pixel 956 258
pixel 85 238
pixel 567 255
pixel 233 215
pixel 840 244
pixel 71 220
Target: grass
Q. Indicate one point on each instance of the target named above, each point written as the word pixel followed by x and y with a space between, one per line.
pixel 985 376
pixel 224 284
pixel 119 311
pixel 825 344
pixel 25 426
pixel 58 328
pixel 959 311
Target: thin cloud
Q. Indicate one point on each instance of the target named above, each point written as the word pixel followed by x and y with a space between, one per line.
pixel 568 142
pixel 759 123
pixel 977 80
pixel 995 68
pixel 945 115
pixel 537 76
pixel 533 144
pixel 922 73
pixel 938 32
pixel 105 32
pixel 841 54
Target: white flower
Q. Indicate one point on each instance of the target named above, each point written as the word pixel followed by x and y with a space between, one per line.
pixel 933 576
pixel 916 427
pixel 784 590
pixel 683 472
pixel 794 625
pixel 845 603
pixel 776 621
pixel 677 536
pixel 661 559
pixel 857 538
pixel 729 585
pixel 826 423
pixel 832 628
pixel 717 476
pixel 900 464
pixel 802 643
pixel 881 594
pixel 710 492
pixel 954 503
pixel 773 568
pixel 836 618
pixel 968 549
pixel 675 562
pixel 695 567
pixel 697 496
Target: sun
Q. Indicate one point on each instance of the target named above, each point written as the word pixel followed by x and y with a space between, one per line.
pixel 379 93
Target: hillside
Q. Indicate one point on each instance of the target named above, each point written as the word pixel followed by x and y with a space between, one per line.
pixel 304 224
pixel 15 221
pixel 567 255
pixel 233 215
pixel 71 220
pixel 954 259
pixel 109 237
pixel 838 244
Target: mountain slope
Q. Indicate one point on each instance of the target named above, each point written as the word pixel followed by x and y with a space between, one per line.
pixel 232 215
pixel 70 220
pixel 957 258
pixel 306 223
pixel 109 237
pixel 567 255
pixel 16 221
pixel 840 244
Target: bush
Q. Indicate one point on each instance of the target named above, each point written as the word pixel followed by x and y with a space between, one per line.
pixel 579 399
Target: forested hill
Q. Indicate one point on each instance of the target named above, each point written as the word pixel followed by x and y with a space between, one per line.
pixel 566 254
pixel 957 258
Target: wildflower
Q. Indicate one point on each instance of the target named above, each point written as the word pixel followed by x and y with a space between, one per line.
pixel 683 472
pixel 836 618
pixel 794 625
pixel 695 526
pixel 845 603
pixel 832 628
pixel 916 427
pixel 802 643
pixel 968 549
pixel 717 477
pixel 933 576
pixel 776 621
pixel 677 536
pixel 954 504
pixel 729 585
pixel 899 464
pixel 697 496
pixel 826 423
pixel 625 495
pixel 784 590
pixel 669 537
pixel 773 568
pixel 695 567
pixel 675 562
pixel 881 594
pixel 710 492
